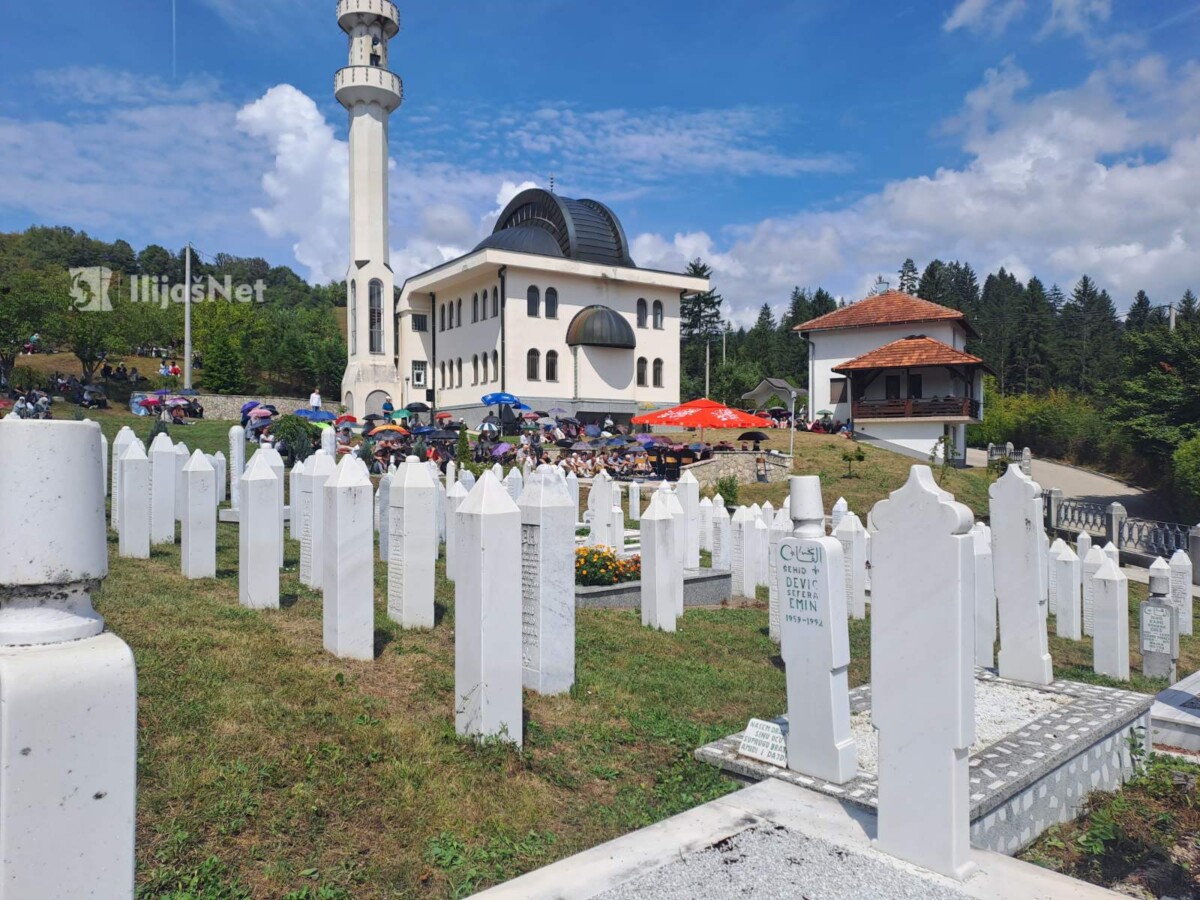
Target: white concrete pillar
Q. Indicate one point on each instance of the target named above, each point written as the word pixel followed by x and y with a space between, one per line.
pixel 162 490
pixel 275 461
pixel 132 480
pixel 1111 551
pixel 781 528
pixel 329 442
pixel 675 508
pixel 840 508
pixel 487 615
pixel 68 733
pixel 1110 645
pixel 547 584
pixel 1089 566
pixel 744 553
pixel 349 571
pixel 573 489
pixel 412 545
pixel 219 467
pixel 658 569
pixel 258 536
pixel 124 438
pixel 383 502
pixel 514 483
pixel 1057 547
pixel 237 463
pixel 1083 543
pixel 198 542
pixel 635 501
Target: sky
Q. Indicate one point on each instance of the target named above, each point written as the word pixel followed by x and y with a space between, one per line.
pixel 785 142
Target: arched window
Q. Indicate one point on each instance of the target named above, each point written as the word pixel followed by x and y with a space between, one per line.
pixel 658 314
pixel 353 317
pixel 551 303
pixel 495 302
pixel 533 365
pixel 375 297
pixel 458 318
pixel 475 308
pixel 495 366
pixel 533 301
pixel 442 318
pixel 485 363
pixel 641 307
pixel 641 371
pixel 658 376
pixel 551 359
pixel 442 380
pixel 483 308
pixel 459 364
pixel 475 369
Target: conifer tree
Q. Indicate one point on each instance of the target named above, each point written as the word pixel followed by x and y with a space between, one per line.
pixel 908 277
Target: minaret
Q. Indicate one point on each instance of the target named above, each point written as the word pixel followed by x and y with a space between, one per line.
pixel 370 92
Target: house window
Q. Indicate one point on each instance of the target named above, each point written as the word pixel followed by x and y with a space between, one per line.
pixel 485 364
pixel 641 312
pixel 353 317
pixel 891 387
pixel 658 314
pixel 475 308
pixel 459 366
pixel 442 318
pixel 551 359
pixel 495 302
pixel 658 375
pixel 475 369
pixel 495 366
pixel 837 390
pixel 641 371
pixel 458 318
pixel 914 387
pixel 375 298
pixel 442 379
pixel 420 322
pixel 533 302
pixel 483 312
pixel 533 361
pixel 419 368
pixel 551 303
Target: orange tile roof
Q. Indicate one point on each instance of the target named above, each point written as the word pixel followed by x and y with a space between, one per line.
pixel 910 352
pixel 888 308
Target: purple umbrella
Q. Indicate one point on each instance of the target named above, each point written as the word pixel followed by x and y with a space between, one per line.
pixel 163 392
pixel 246 407
pixel 501 449
pixel 645 439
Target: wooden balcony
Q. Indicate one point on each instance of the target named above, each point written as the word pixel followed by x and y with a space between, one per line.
pixel 947 408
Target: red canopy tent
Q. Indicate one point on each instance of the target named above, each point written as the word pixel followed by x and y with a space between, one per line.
pixel 702 413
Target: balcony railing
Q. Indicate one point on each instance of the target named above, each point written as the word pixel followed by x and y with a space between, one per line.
pixel 371 84
pixel 947 408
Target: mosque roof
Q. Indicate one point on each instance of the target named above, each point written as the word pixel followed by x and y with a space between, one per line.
pixel 538 221
pixel 600 326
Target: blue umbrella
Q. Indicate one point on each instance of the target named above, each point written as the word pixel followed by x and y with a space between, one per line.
pixel 246 407
pixel 592 430
pixel 498 398
pixel 425 429
pixel 523 408
pixel 315 415
pixel 162 393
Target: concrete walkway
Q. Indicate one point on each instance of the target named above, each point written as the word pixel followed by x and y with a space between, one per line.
pixel 1082 484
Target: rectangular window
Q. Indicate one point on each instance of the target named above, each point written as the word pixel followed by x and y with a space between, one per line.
pixel 891 387
pixel 419 368
pixel 837 390
pixel 914 387
pixel 420 322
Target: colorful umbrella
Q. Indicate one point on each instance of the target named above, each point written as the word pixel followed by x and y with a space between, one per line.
pixel 531 416
pixel 395 428
pixel 557 411
pixel 150 401
pixel 260 413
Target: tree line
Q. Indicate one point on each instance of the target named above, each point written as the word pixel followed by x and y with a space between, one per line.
pixel 288 342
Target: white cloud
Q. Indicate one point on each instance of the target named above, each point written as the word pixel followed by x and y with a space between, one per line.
pixel 100 85
pixel 1076 17
pixel 984 15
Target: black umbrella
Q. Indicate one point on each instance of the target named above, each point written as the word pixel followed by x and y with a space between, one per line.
pixel 440 435
pixel 454 426
pixel 569 420
pixel 490 420
pixel 754 436
pixel 565 444
pixel 417 407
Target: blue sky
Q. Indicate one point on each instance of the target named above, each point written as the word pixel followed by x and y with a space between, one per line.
pixel 788 143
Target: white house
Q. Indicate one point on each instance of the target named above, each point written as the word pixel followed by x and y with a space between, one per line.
pixel 896 367
pixel 549 307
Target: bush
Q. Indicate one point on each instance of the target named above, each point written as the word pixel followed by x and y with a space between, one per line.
pixel 462 455
pixel 298 434
pixel 600 566
pixel 1186 474
pixel 727 487
pixel 159 427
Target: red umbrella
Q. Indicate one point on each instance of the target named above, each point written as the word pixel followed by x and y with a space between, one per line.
pixel 343 419
pixel 702 413
pixel 444 415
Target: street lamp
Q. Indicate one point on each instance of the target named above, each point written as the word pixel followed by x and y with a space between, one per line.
pixel 792 427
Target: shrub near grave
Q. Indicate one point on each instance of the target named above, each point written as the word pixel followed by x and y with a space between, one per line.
pixel 600 566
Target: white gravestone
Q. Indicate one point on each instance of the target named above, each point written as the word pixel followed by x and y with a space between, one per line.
pixel 635 501
pixel 985 597
pixel 451 473
pixel 1056 548
pixel 133 490
pixel 237 463
pixel 198 542
pixel 1111 551
pixel 599 504
pixel 68 736
pixel 467 479
pixel 454 498
pixel 706 524
pixel 1069 617
pixel 767 514
pixel 182 455
pixel 762 535
pixel 498 471
pixel 348 605
pixel 487 615
pixel 547 584
pixel 411 530
pixel 687 490
pixel 573 490
pixel 124 438
pixel 1110 644
pixel 781 528
pixel 318 469
pixel 722 548
pixel 617 527
pixel 103 462
pixel 383 502
pixel 745 553
pixel 658 565
pixel 272 458
pixel 439 512
pixel 840 508
pixel 514 483
pixel 853 537
pixel 1020 574
pixel 295 479
pixel 1181 589
pixel 1089 566
pixel 162 490
pixel 1083 543
pixel 815 641
pixel 922 672
pixel 329 442
pixel 258 537
pixel 1043 547
pixel 1158 626
pixel 675 508
pixel 219 467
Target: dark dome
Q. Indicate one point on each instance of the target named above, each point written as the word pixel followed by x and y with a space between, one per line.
pixel 550 225
pixel 599 326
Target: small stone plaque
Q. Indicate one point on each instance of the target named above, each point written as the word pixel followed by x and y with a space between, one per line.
pixel 1159 638
pixel 766 742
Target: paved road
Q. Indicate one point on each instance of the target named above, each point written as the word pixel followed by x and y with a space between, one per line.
pixel 1081 484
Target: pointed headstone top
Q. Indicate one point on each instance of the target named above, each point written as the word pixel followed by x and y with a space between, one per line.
pixel 162 443
pixel 298 468
pixel 687 477
pixel 718 500
pixel 181 449
pixel 544 490
pixel 1108 571
pixel 258 469
pixel 320 464
pixel 411 474
pixel 458 489
pixel 133 450
pixel 1095 556
pixel 1179 557
pixel 704 501
pixel 489 497
pixel 657 510
pixel 850 524
pixel 348 475
pixel 1066 553
pixel 742 514
pixel 198 462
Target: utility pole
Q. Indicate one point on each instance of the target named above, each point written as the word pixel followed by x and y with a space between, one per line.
pixel 187 318
pixel 1171 315
pixel 792 428
pixel 707 347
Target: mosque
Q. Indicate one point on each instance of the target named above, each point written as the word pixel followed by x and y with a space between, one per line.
pixel 549 307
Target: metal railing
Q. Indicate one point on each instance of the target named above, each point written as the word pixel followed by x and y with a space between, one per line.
pixel 1080 515
pixel 950 407
pixel 1152 537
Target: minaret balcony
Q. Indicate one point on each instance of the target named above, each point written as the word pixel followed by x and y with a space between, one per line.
pixel 355 12
pixel 368 84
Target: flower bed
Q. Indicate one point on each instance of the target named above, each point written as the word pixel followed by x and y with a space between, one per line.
pixel 600 566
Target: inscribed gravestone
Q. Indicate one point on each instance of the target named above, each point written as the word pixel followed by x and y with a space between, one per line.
pixel 1069 621
pixel 1089 566
pixel 853 538
pixel 348 605
pixel 1158 623
pixel 658 565
pixel 722 551
pixel 1181 589
pixel 985 597
pixel 688 493
pixel 198 543
pixel 133 484
pixel 547 584
pixel 258 537
pixel 162 490
pixel 411 530
pixel 781 528
pixel 765 741
pixel 706 524
pixel 237 463
pixel 1110 644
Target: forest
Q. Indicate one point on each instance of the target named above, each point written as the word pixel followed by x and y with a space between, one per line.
pixel 287 343
pixel 1075 380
